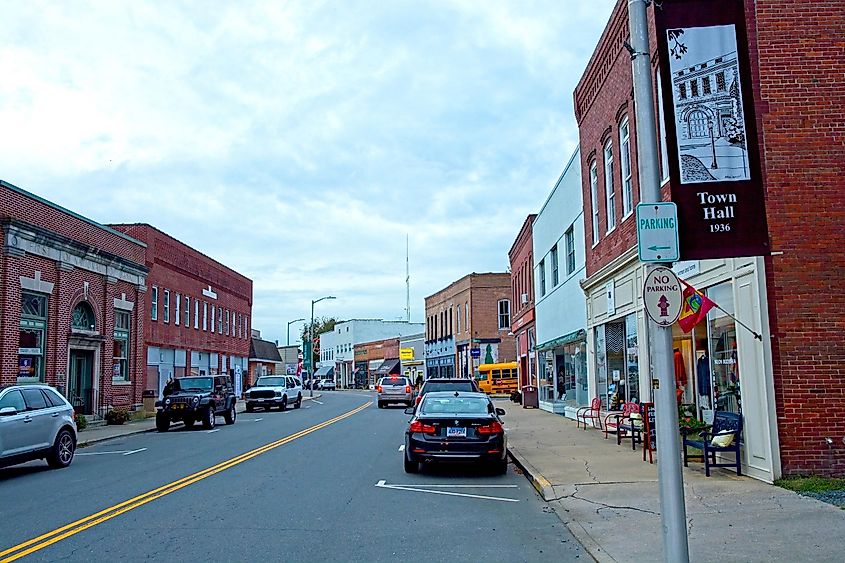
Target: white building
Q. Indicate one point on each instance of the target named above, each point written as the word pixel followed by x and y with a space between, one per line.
pixel 560 305
pixel 337 348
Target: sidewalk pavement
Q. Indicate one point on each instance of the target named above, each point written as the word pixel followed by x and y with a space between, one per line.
pixel 608 498
pixel 95 434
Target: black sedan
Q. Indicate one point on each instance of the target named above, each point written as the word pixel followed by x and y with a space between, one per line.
pixel 455 426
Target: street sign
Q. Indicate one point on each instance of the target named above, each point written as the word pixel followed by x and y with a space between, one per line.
pixel 475 352
pixel 657 232
pixel 663 296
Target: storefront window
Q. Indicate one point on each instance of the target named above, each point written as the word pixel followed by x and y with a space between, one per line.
pixel 547 376
pixel 32 338
pixel 614 335
pixel 120 356
pixel 601 365
pixel 83 317
pixel 632 367
pixel 575 373
pixel 724 364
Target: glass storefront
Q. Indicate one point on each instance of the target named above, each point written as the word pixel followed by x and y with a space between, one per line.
pixel 617 362
pixel 724 364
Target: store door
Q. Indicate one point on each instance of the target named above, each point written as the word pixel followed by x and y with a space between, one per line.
pixel 81 381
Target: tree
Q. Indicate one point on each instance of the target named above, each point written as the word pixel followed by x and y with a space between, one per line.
pixel 321 325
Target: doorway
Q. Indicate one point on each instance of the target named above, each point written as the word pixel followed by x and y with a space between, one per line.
pixel 81 381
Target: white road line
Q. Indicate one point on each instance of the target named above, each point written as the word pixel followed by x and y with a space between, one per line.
pixel 316 401
pixel 212 431
pixel 382 484
pixel 257 419
pixel 402 448
pixel 307 406
pixel 121 452
pixel 136 451
pixel 431 486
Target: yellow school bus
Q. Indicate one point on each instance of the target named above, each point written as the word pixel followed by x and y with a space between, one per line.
pixel 495 379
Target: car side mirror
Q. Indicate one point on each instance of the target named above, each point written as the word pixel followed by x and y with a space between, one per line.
pixel 410 410
pixel 500 412
pixel 8 411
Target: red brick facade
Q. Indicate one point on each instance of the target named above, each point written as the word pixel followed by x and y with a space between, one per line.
pixel 378 350
pixel 176 269
pixel 67 260
pixel 800 109
pixel 521 258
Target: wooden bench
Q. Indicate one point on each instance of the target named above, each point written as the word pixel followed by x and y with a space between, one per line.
pixel 593 412
pixel 724 424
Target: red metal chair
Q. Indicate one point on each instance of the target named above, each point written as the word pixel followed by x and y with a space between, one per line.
pixel 593 412
pixel 612 418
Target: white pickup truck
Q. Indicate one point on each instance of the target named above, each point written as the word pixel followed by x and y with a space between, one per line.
pixel 274 391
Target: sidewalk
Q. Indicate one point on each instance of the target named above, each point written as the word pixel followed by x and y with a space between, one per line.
pixel 608 497
pixel 93 435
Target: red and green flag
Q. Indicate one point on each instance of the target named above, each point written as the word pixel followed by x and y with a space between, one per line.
pixel 694 308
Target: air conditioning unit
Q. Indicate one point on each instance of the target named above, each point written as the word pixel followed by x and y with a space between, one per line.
pixel 524 299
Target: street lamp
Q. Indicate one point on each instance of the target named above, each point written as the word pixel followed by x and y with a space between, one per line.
pixel 311 336
pixel 290 323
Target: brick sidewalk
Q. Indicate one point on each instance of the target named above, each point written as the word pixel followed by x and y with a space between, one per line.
pixel 608 497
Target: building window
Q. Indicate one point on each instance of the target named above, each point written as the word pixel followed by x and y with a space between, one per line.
pixel 682 90
pixel 466 310
pixel 212 318
pixel 693 87
pixel 227 322
pixel 32 337
pixel 120 355
pixel 240 327
pixel 594 193
pixel 204 316
pixel 625 164
pixel 187 312
pixel 720 82
pixel 82 317
pixel 458 320
pixel 610 194
pixel 705 85
pixel 569 239
pixel 542 268
pixel 555 276
pixel 154 304
pixel 167 305
pixel 196 314
pixel 176 312
pixel 219 319
pixel 504 314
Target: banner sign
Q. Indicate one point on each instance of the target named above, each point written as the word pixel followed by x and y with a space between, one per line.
pixel 711 133
pixel 406 354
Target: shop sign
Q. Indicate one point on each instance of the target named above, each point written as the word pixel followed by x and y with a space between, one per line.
pixel 29 351
pixel 663 296
pixel 711 134
pixel 25 368
pixel 475 352
pixel 406 354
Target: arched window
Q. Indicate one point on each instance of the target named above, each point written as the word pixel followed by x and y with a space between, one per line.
pixel 83 317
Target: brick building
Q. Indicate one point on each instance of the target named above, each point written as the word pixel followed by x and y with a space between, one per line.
pixel 781 384
pixel 72 293
pixel 376 356
pixel 473 312
pixel 197 321
pixel 521 257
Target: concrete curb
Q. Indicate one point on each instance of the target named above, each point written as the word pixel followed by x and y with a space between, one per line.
pixel 82 443
pixel 547 492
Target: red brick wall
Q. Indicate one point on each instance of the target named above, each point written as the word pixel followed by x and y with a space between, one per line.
pixel 799 57
pixel 521 258
pixel 177 267
pixel 487 291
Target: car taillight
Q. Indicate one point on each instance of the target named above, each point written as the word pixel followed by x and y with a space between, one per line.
pixel 407 389
pixel 492 428
pixel 419 398
pixel 418 427
pixel 378 388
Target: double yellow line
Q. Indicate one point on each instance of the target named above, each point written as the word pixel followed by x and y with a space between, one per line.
pixel 57 535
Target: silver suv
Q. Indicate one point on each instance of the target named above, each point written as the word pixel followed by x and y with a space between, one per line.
pixel 36 422
pixel 395 389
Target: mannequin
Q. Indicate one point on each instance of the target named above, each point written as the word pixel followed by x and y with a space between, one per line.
pixel 680 375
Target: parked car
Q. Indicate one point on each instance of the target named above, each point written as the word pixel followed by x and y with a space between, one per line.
pixel 455 426
pixel 36 422
pixel 197 398
pixel 274 391
pixel 394 389
pixel 447 384
pixel 326 385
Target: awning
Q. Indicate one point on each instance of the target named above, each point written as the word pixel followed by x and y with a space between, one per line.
pixel 579 334
pixel 325 371
pixel 387 366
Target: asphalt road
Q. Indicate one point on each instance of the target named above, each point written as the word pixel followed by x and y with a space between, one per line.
pixel 323 483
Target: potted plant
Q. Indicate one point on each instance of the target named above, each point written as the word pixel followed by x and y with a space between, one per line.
pixel 117 415
pixel 688 422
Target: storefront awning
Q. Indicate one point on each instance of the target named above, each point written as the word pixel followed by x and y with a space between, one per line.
pixel 579 334
pixel 325 371
pixel 387 366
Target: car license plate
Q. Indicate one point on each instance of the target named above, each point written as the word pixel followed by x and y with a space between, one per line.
pixel 452 432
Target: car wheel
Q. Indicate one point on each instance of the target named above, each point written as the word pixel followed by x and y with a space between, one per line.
pixel 208 418
pixel 501 467
pixel 231 415
pixel 284 405
pixel 410 466
pixel 189 422
pixel 380 405
pixel 62 451
pixel 298 402
pixel 162 422
pixel 250 407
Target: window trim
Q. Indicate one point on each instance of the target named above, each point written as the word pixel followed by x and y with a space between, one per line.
pixel 569 244
pixel 177 309
pixel 609 188
pixel 625 162
pixel 166 310
pixel 154 303
pixel 594 194
pixel 506 314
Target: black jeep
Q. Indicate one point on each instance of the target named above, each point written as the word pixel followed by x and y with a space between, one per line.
pixel 190 399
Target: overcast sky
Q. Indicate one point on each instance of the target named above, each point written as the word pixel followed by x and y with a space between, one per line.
pixel 299 142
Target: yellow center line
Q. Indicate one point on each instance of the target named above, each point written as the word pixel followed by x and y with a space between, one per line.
pixel 49 538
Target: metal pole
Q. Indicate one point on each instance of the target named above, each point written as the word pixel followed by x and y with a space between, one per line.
pixel 670 478
pixel 311 355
